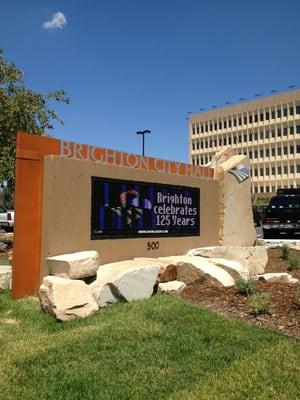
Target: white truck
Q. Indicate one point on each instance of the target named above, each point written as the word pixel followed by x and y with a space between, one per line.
pixel 7 218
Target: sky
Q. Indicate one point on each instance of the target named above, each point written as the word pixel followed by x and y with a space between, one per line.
pixel 130 65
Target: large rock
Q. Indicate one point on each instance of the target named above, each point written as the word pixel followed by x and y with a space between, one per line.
pixel 283 277
pixel 67 299
pixel 74 265
pixel 234 268
pixel 5 277
pixel 125 281
pixel 253 258
pixel 167 271
pixel 171 287
pixel 190 269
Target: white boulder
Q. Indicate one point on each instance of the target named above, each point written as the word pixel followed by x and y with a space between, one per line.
pixel 190 269
pixel 5 277
pixel 253 258
pixel 124 281
pixel 277 277
pixel 74 265
pixel 234 268
pixel 167 271
pixel 171 287
pixel 67 299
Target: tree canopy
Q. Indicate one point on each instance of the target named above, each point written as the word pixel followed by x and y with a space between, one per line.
pixel 21 109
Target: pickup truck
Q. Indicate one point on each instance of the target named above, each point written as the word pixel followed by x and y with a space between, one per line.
pixel 282 217
pixel 7 218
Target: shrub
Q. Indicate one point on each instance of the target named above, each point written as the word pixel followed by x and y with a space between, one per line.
pixel 285 252
pixel 259 242
pixel 260 303
pixel 246 287
pixel 293 262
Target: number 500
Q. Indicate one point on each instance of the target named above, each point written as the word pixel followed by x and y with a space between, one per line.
pixel 152 245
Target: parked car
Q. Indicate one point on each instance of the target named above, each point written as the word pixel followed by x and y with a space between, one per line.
pixel 282 216
pixel 7 218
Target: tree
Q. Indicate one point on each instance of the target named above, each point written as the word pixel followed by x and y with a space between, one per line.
pixel 21 109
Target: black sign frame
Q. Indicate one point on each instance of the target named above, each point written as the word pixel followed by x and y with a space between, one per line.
pixel 133 234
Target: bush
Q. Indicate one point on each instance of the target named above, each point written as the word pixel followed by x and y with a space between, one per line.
pixel 260 303
pixel 246 287
pixel 293 262
pixel 285 252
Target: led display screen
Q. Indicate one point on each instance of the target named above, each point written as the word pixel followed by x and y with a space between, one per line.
pixel 124 209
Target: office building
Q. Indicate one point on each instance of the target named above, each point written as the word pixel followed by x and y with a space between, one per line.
pixel 267 130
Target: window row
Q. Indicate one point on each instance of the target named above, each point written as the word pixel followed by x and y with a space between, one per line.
pixel 230 122
pixel 285 170
pixel 269 189
pixel 245 138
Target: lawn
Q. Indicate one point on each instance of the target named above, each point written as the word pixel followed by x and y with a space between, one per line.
pixel 4 262
pixel 162 348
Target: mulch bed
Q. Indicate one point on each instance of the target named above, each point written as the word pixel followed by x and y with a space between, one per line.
pixel 284 316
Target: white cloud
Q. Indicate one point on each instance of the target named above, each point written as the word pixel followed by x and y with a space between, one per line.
pixel 58 21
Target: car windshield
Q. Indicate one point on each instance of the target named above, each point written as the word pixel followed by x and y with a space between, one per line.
pixel 285 202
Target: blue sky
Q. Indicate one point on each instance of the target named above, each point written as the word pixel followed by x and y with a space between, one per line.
pixel 129 65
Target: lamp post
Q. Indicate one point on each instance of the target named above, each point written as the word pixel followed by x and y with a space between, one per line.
pixel 143 134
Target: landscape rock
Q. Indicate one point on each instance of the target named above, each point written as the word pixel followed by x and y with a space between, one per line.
pixel 125 281
pixel 190 269
pixel 5 277
pixel 277 277
pixel 67 299
pixel 171 287
pixel 167 271
pixel 74 265
pixel 234 268
pixel 253 258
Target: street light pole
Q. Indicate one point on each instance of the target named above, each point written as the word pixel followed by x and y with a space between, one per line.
pixel 143 134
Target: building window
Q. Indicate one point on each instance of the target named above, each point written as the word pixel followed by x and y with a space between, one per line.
pixel 201 145
pixel 210 143
pixel 206 128
pixel 250 119
pixel 234 140
pixel 255 154
pixel 229 123
pixel 255 190
pixel 220 125
pixel 224 141
pixel 298 168
pixel 292 169
pixel 255 118
pixel 197 129
pixel 229 140
pixel 240 121
pixel 291 149
pixel 285 112
pixel 285 150
pixel 278 132
pixel 273 152
pixel 255 172
pixel 285 131
pixel 193 161
pixel 255 135
pixel 273 133
pixel 245 120
pixel 267 153
pixel 273 170
pixel 291 110
pixel 250 154
pixel 202 129
pixel 240 139
pixel 215 142
pixel 193 146
pixel 220 142
pixel 234 122
pixel 267 116
pixel 261 117
pixel 216 127
pixel 285 170
pixel 261 172
pixel 278 113
pixel 225 124
pixel 267 134
pixel 297 109
pixel 261 134
pixel 279 151
pixel 298 148
pixel 206 145
pixel 261 153
pixel 267 189
pixel 245 138
pixel 197 161
pixel 193 130
pixel 210 127
pixel 291 130
pixel 267 171
pixel 279 170
pixel 298 128
pixel 273 114
pixel 250 137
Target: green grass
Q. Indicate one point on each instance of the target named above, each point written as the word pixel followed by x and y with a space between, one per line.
pixel 161 348
pixel 4 262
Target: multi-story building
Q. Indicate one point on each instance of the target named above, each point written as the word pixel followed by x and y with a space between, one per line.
pixel 266 129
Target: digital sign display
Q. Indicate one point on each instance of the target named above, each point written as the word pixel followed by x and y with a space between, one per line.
pixel 124 209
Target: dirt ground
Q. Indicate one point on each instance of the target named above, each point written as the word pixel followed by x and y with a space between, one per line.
pixel 284 316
